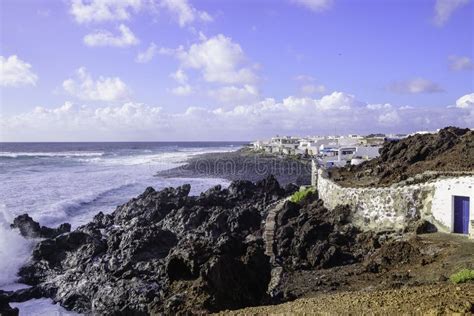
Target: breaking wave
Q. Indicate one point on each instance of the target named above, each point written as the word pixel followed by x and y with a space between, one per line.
pixel 14 250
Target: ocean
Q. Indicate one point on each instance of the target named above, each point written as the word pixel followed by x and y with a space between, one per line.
pixel 71 182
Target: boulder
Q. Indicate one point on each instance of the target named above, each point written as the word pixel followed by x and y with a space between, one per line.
pixel 30 229
pixel 5 308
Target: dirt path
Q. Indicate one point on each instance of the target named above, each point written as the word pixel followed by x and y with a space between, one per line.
pixel 426 300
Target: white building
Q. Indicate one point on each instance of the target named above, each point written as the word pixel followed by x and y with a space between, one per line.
pixel 340 156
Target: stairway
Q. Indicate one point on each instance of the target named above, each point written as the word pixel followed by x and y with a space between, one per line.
pixel 269 227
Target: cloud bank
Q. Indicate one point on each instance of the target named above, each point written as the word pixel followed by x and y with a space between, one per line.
pixel 336 112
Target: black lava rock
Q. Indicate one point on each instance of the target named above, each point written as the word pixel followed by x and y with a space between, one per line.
pixel 162 252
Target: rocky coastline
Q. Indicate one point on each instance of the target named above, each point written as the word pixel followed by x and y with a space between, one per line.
pixel 162 252
pixel 168 252
pixel 247 245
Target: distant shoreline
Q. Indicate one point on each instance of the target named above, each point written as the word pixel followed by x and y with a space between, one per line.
pixel 243 164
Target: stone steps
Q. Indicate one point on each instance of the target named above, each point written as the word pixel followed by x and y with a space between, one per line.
pixel 269 228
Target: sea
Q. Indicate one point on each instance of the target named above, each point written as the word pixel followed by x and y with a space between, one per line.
pixel 71 182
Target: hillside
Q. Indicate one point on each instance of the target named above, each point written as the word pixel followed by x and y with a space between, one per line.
pixel 449 150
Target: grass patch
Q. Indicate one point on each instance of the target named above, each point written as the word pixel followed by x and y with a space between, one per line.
pixel 462 276
pixel 299 196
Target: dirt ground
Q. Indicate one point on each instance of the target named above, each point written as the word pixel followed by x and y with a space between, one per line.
pixel 420 285
pixel 419 300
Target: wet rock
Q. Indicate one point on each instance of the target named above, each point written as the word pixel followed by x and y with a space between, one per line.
pixel 31 229
pixel 5 308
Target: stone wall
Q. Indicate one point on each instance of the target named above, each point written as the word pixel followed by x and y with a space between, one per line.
pixel 393 207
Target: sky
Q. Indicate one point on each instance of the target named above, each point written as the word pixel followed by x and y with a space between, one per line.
pixel 170 70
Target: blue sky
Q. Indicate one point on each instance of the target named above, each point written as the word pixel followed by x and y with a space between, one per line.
pixel 215 70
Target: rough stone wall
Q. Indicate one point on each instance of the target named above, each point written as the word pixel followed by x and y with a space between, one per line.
pixel 393 207
pixel 378 208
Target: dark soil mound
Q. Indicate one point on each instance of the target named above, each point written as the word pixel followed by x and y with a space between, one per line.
pixel 312 237
pixel 449 150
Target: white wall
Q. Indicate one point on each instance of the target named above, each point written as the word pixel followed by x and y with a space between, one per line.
pixel 442 205
pixel 367 151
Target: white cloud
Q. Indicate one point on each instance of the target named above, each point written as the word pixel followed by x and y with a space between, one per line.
pixel 233 94
pixel 389 118
pixel 338 101
pixel 180 76
pixel 147 55
pixel 103 10
pixel 221 64
pixel 444 9
pixel 106 38
pixel 380 106
pixel 264 118
pixel 184 12
pixel 103 89
pixel 219 59
pixel 315 5
pixel 466 101
pixel 460 63
pixel 414 86
pixel 15 72
pixel 182 90
pixel 87 11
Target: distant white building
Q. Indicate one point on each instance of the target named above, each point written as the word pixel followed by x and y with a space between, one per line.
pixel 364 153
pixel 350 140
pixel 336 156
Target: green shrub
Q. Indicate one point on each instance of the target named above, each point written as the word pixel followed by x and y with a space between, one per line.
pixel 299 196
pixel 462 276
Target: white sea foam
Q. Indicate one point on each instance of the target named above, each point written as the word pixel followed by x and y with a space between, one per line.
pixel 8 154
pixel 72 209
pixel 165 159
pixel 41 307
pixel 14 251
